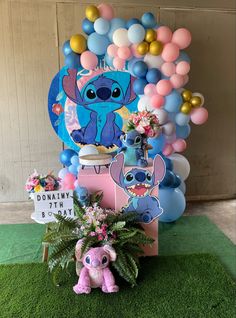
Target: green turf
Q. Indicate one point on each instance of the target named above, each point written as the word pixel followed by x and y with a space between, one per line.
pixel 21 243
pixel 169 286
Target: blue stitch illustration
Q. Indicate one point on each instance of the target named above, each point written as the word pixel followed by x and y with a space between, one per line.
pixel 138 184
pixel 133 149
pixel 102 96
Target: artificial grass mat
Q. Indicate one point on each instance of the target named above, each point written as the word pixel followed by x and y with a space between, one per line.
pixel 21 243
pixel 168 286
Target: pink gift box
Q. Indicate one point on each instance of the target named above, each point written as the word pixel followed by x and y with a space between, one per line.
pixel 114 197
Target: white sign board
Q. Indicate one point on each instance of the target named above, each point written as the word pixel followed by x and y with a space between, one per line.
pixel 48 203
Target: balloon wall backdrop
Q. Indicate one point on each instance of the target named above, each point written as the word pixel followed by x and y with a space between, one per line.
pixel 152 58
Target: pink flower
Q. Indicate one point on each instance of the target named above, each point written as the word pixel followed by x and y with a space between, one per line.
pixel 93 233
pixel 100 237
pixel 140 129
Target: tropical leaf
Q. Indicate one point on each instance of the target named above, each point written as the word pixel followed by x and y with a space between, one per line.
pixel 118 225
pixel 96 197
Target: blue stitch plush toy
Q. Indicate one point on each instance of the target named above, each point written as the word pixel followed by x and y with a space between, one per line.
pixel 138 184
pixel 133 149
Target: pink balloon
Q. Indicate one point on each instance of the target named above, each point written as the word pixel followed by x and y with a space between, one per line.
pixel 182 38
pixel 69 178
pixel 179 145
pixel 112 50
pixel 157 101
pixel 150 90
pixel 199 115
pixel 170 52
pixel 124 53
pixel 177 80
pixel 186 79
pixel 134 50
pixel 164 87
pixel 168 68
pixel 106 11
pixel 118 63
pixel 167 150
pixel 88 60
pixel 182 68
pixel 164 34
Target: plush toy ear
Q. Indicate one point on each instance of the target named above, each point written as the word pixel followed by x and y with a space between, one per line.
pixel 70 86
pixel 78 250
pixel 110 250
pixel 116 169
pixel 159 169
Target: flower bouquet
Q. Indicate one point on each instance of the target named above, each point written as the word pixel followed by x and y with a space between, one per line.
pixel 96 227
pixel 39 183
pixel 145 122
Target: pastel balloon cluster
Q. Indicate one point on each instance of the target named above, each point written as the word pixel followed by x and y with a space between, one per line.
pixel 69 158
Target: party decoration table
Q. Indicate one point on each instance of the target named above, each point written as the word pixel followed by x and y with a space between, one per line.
pixel 96 161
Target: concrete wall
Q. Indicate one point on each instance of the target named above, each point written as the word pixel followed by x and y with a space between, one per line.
pixel 31 36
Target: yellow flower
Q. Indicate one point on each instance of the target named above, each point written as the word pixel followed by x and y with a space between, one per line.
pixel 38 188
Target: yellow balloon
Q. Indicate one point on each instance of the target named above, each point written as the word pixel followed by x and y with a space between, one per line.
pixel 78 43
pixel 142 48
pixel 187 95
pixel 150 35
pixel 92 13
pixel 196 101
pixel 186 108
pixel 156 48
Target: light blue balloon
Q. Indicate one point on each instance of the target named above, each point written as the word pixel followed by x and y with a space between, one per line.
pixel 73 169
pixel 75 160
pixel 98 43
pixel 115 24
pixel 173 204
pixel 62 173
pixel 101 26
pixel 136 33
pixel 66 49
pixel 182 186
pixel 182 119
pixel 183 57
pixel 183 131
pixel 157 145
pixel 148 20
pixel 173 101
pixel 109 60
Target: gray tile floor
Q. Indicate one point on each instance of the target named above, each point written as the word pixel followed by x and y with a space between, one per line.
pixel 222 213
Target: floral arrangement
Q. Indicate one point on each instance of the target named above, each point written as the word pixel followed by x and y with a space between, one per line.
pixel 145 122
pixel 39 183
pixel 96 226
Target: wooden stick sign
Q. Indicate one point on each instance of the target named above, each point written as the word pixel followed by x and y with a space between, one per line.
pixel 48 203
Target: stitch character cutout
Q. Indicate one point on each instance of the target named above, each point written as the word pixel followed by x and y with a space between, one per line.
pixel 102 96
pixel 138 184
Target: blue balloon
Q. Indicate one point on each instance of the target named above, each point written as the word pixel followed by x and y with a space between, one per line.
pixel 173 204
pixel 66 49
pixel 148 20
pixel 153 75
pixel 140 69
pixel 75 160
pixel 183 131
pixel 182 186
pixel 97 43
pixel 131 64
pixel 132 21
pixel 157 145
pixel 102 26
pixel 182 119
pixel 87 26
pixel 66 155
pixel 173 101
pixel 183 57
pixel 73 169
pixel 62 173
pixel 138 86
pixel 177 182
pixel 72 60
pixel 116 23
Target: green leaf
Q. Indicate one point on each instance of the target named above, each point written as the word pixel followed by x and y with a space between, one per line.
pixel 96 197
pixel 118 225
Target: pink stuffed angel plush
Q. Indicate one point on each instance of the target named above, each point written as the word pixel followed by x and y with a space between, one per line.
pixel 95 272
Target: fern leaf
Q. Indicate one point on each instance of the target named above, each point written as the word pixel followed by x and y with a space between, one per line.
pixel 118 225
pixel 87 243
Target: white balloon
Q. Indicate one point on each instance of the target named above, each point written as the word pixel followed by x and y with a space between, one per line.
pixel 88 150
pixel 181 165
pixel 162 116
pixel 168 129
pixel 120 37
pixel 144 103
pixel 153 61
